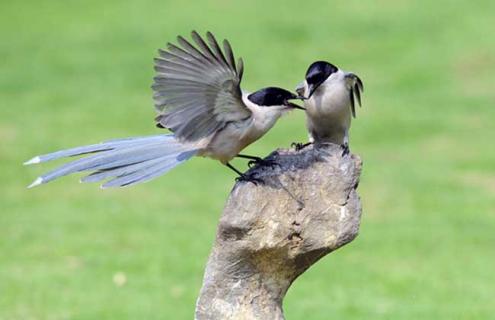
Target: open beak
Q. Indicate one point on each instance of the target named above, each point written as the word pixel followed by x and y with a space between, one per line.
pixel 294 97
pixel 293 105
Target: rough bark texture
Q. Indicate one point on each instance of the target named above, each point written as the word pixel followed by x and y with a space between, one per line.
pixel 272 232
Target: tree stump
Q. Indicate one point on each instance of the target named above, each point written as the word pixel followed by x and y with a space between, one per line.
pixel 270 233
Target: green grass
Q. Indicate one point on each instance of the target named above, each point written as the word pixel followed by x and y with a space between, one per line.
pixel 78 72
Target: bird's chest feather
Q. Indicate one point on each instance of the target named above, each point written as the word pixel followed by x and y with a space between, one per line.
pixel 260 124
pixel 329 100
pixel 236 136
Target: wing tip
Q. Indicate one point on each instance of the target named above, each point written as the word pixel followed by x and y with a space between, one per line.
pixel 36 182
pixel 34 160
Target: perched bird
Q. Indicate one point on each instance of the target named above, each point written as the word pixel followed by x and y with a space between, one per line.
pixel 328 94
pixel 198 97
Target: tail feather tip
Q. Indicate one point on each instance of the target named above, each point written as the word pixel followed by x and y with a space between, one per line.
pixel 36 182
pixel 32 161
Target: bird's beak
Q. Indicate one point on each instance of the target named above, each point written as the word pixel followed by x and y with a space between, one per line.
pixel 293 105
pixel 312 88
pixel 300 90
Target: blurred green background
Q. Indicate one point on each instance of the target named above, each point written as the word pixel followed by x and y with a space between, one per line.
pixel 78 72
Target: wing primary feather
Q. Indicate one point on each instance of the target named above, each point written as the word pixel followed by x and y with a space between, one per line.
pixel 190 87
pixel 180 80
pixel 229 54
pixel 189 110
pixel 360 83
pixel 169 71
pixel 240 66
pixel 175 57
pixel 179 77
pixel 179 51
pixel 192 49
pixel 182 63
pixel 203 46
pixel 165 73
pixel 351 97
pixel 214 44
pixel 357 93
pixel 166 63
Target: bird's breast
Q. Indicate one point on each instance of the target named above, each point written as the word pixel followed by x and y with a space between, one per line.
pixel 329 101
pixel 229 141
pixel 328 113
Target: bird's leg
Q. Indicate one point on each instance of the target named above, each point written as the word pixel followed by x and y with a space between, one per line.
pixel 243 176
pixel 298 146
pixel 257 160
pixel 345 149
pixel 345 145
pixel 235 170
pixel 245 156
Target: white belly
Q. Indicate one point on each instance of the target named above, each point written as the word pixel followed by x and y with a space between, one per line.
pixel 229 141
pixel 226 143
pixel 328 113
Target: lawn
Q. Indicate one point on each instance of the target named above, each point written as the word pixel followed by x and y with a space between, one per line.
pixel 78 72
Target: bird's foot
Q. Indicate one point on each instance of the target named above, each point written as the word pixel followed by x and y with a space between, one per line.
pixel 345 149
pixel 298 146
pixel 249 178
pixel 262 162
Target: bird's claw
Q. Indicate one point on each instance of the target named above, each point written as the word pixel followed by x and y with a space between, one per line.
pixel 298 146
pixel 249 178
pixel 345 149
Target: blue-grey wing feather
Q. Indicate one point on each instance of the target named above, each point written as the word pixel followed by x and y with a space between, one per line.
pixel 197 87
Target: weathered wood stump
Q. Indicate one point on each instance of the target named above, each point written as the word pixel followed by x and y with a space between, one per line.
pixel 272 232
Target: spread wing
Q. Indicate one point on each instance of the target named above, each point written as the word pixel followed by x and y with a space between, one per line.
pixel 197 88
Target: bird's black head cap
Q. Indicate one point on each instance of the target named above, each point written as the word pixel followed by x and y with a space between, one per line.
pixel 317 73
pixel 273 96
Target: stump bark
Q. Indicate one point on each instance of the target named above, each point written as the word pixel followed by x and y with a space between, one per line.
pixel 270 233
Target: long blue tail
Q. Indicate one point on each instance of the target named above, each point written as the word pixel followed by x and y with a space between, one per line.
pixel 123 162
